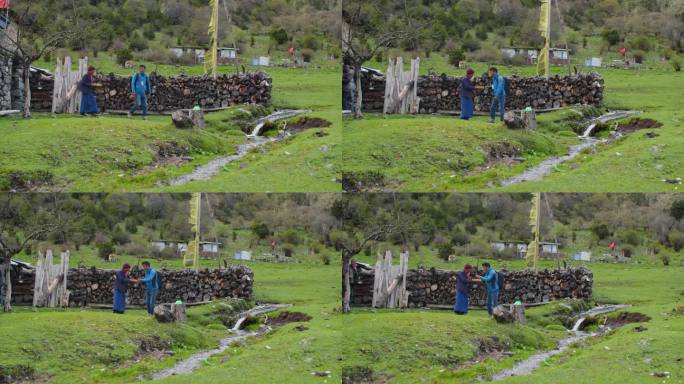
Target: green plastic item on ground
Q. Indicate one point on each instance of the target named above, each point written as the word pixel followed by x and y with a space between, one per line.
pixel 179 302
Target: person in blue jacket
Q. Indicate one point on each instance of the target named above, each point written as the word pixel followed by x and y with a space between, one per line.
pixel 141 90
pixel 490 280
pixel 88 99
pixel 151 282
pixel 121 283
pixel 467 92
pixel 498 94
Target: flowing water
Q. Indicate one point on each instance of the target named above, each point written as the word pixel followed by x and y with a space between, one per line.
pixel 541 170
pixel 545 167
pixel 533 362
pixel 193 362
pixel 213 167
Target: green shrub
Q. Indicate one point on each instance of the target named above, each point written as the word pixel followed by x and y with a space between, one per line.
pixel 307 55
pixel 639 57
pixel 105 249
pixel 676 65
pixel 291 236
pixel 456 55
pixel 641 43
pixel 676 239
pixel 611 36
pixel 123 55
pixel 310 41
pixel 600 230
pixel 279 36
pixel 630 236
pixel 444 251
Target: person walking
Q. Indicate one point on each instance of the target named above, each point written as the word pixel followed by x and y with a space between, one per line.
pixel 88 99
pixel 498 94
pixel 151 281
pixel 467 95
pixel 463 290
pixel 490 280
pixel 140 89
pixel 121 283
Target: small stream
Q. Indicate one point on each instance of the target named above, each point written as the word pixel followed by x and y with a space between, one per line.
pixel 533 362
pixel 213 167
pixel 541 170
pixel 193 362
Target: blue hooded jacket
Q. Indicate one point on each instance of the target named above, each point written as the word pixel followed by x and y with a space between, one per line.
pixel 498 85
pixel 140 84
pixel 491 281
pixel 150 280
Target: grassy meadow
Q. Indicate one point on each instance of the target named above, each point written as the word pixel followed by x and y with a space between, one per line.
pixel 443 153
pixel 113 153
pixel 95 346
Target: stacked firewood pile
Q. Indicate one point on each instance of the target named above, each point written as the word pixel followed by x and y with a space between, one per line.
pixel 438 287
pixel 440 93
pixel 373 91
pixel 183 92
pixel 94 286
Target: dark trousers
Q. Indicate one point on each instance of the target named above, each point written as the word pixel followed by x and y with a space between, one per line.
pixel 140 102
pixel 151 300
pixel 498 102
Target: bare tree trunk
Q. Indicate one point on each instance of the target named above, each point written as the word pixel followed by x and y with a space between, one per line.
pixel 6 289
pixel 359 92
pixel 27 90
pixel 346 287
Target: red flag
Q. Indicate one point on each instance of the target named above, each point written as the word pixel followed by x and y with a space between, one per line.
pixel 4 4
pixel 612 245
pixel 622 51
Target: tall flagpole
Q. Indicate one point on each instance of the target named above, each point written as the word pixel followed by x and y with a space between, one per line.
pixel 211 58
pixel 543 62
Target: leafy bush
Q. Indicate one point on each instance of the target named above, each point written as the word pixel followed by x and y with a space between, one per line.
pixel 187 58
pixel 120 237
pixel 676 65
pixel 641 43
pixel 291 236
pixel 459 238
pixel 456 55
pixel 260 230
pixel 471 44
pixel 325 258
pixel 123 55
pixel 444 251
pixel 677 209
pixel 279 36
pixel 630 236
pixel 639 57
pixel 288 250
pixel 307 55
pixel 310 41
pixel 665 258
pixel 485 55
pixel 600 230
pixel 134 249
pixel 611 36
pixel 676 239
pixel 105 249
